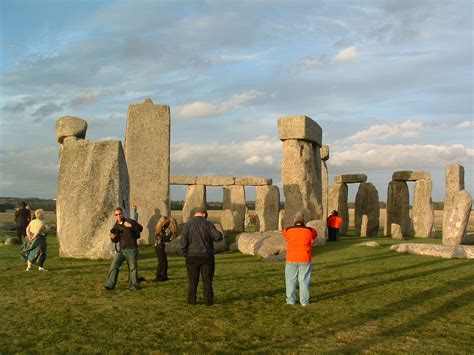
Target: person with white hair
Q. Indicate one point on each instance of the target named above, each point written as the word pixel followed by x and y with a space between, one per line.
pixel 35 246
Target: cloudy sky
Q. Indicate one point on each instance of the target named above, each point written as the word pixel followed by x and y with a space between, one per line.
pixel 390 83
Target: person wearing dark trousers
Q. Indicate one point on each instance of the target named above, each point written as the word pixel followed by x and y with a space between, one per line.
pixel 163 231
pixel 22 219
pixel 197 247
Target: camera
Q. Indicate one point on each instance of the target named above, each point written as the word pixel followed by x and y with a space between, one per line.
pixel 116 233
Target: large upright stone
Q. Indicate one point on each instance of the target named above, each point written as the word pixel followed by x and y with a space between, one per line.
pixel 195 197
pixel 457 206
pixel 422 213
pixel 324 151
pixel 398 208
pixel 267 206
pixel 93 180
pixel 367 204
pixel 337 201
pixel 147 150
pixel 234 200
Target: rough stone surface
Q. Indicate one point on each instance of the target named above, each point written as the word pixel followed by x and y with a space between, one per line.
pixel 300 128
pixel 396 231
pixel 411 175
pixel 454 179
pixel 234 200
pixel 195 197
pixel 324 188
pixel 215 180
pixel 11 241
pixel 370 244
pixel 350 178
pixel 442 251
pixel 228 218
pixel 68 126
pixel 275 244
pixel 422 213
pixel 337 200
pixel 324 152
pixel 147 151
pixel 468 239
pixel 398 209
pixel 93 180
pixel 457 209
pixel 252 181
pixel 183 180
pixel 281 218
pixel 246 241
pixel 367 204
pixel 320 226
pixel 301 183
pixel 364 226
pixel 267 207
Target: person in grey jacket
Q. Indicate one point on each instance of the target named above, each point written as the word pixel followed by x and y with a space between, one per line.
pixel 197 247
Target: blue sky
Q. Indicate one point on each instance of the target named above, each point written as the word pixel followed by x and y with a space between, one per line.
pixel 390 83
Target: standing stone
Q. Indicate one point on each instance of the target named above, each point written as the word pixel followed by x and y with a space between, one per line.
pixel 93 180
pixel 422 213
pixel 228 218
pixel 281 218
pixel 457 206
pixel 396 231
pixel 337 201
pixel 364 226
pixel 234 200
pixel 195 197
pixel 367 204
pixel 267 206
pixel 324 184
pixel 147 150
pixel 398 208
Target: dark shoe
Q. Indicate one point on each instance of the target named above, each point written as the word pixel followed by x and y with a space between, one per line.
pixel 141 279
pixel 108 288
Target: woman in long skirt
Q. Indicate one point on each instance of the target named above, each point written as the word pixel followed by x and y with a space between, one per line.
pixel 35 246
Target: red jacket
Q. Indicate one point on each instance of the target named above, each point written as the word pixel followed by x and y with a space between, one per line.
pixel 298 243
pixel 334 221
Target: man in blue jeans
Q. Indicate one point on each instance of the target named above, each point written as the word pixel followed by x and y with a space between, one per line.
pixel 124 234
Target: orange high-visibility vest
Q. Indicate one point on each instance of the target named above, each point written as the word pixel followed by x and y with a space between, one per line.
pixel 334 221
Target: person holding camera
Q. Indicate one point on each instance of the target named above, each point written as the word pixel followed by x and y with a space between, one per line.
pixel 124 234
pixel 197 247
pixel 164 230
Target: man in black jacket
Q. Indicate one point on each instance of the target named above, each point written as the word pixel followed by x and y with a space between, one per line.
pixel 124 234
pixel 22 219
pixel 197 247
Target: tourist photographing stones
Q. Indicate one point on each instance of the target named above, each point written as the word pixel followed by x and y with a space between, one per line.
pixel 22 219
pixel 163 232
pixel 197 247
pixel 334 222
pixel 298 259
pixel 124 234
pixel 35 246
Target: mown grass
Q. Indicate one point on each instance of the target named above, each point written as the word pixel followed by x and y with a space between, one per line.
pixel 363 299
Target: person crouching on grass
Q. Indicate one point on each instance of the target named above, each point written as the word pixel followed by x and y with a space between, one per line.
pixel 298 259
pixel 164 230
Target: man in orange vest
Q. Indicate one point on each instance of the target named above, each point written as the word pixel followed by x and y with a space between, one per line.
pixel 298 259
pixel 334 222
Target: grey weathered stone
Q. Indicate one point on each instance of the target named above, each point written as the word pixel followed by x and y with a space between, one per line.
pixel 370 244
pixel 454 179
pixel 367 204
pixel 246 241
pixel 350 178
pixel 183 180
pixel 398 209
pixel 301 183
pixel 195 197
pixel 275 244
pixel 443 251
pixel 220 246
pixel 468 239
pixel 228 218
pixel 267 207
pixel 457 209
pixel 300 128
pixel 234 200
pixel 320 226
pixel 337 201
pixel 324 152
pixel 147 151
pixel 69 126
pixel 324 188
pixel 364 226
pixel 93 180
pixel 252 181
pixel 215 180
pixel 408 175
pixel 422 213
pixel 396 231
pixel 281 218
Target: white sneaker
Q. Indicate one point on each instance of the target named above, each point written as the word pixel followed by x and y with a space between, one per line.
pixel 42 269
pixel 28 268
pixel 305 304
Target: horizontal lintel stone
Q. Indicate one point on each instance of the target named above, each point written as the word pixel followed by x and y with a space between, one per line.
pixel 301 128
pixel 350 178
pixel 409 175
pixel 215 180
pixel 183 180
pixel 252 181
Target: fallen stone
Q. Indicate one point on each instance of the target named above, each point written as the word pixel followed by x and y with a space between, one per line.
pixel 273 245
pixel 408 175
pixel 11 241
pixel 183 180
pixel 246 242
pixel 69 126
pixel 215 180
pixel 252 181
pixel 350 178
pixel 370 244
pixel 267 207
pixel 195 197
pixel 300 128
pixel 443 251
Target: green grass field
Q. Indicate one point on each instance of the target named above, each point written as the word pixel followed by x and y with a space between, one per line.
pixel 363 299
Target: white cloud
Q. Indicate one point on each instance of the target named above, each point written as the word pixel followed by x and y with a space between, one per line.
pixel 346 54
pixel 86 99
pixel 205 109
pixel 465 124
pixel 407 129
pixel 255 159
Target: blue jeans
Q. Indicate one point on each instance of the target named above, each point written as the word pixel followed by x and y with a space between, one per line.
pixel 131 256
pixel 300 272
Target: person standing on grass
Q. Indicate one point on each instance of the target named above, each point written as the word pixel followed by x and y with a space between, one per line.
pixel 334 222
pixel 298 259
pixel 163 231
pixel 197 247
pixel 124 234
pixel 22 219
pixel 35 246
